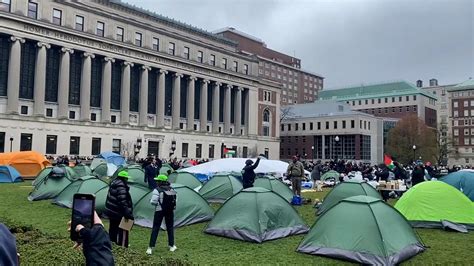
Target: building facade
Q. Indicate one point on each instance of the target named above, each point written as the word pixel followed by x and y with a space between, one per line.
pixel 298 85
pixel 81 77
pixel 329 130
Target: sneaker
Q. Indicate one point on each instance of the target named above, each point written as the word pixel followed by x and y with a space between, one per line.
pixel 149 251
pixel 173 248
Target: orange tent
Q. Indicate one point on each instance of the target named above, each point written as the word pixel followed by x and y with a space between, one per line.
pixel 27 163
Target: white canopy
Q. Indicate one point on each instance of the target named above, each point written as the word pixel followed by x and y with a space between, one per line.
pixel 236 164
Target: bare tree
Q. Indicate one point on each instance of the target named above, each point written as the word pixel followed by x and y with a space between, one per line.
pixel 286 112
pixel 444 145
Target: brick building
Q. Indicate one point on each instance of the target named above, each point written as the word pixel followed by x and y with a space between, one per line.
pixel 298 85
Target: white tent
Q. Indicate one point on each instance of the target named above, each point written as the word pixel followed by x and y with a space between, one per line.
pixel 236 164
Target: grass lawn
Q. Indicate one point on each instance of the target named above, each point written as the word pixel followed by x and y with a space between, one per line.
pixel 42 238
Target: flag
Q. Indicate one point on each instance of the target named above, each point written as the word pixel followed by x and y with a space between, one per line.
pixel 388 162
pixel 229 152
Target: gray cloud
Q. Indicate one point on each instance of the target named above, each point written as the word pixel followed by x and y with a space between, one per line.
pixel 349 42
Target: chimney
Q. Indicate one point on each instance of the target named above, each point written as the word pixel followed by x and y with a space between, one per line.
pixel 419 83
pixel 433 82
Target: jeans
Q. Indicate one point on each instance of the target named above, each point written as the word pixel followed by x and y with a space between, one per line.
pixel 169 221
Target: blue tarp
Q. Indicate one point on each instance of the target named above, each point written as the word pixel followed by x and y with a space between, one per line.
pixel 112 157
pixel 9 174
pixel 462 180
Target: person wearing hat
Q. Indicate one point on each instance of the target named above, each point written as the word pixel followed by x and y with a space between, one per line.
pixel 119 205
pixel 296 172
pixel 248 173
pixel 164 200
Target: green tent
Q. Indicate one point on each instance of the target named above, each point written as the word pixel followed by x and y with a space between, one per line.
pixel 135 172
pixel 191 208
pixel 344 190
pixel 462 180
pixel 100 198
pixel 71 174
pixel 82 170
pixel 221 187
pixel 137 192
pixel 96 162
pixel 186 179
pixel 430 202
pixel 274 185
pixel 84 185
pixel 256 214
pixel 51 184
pixel 330 174
pixel 100 170
pixel 164 169
pixel 365 230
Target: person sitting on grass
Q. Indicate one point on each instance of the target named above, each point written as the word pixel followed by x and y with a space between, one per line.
pixel 164 200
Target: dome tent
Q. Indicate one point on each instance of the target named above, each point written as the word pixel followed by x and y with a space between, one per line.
pixel 365 230
pixel 429 203
pixel 51 184
pixel 113 158
pixel 165 168
pixel 344 190
pixel 84 185
pixel 274 185
pixel 82 170
pixel 8 174
pixel 58 170
pixel 186 179
pixel 190 208
pixel 330 175
pixel 136 173
pixel 256 215
pixel 137 192
pixel 27 163
pixel 462 180
pixel 221 187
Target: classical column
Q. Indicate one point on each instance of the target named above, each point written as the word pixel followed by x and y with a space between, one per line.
pixel 86 86
pixel 176 101
pixel 190 103
pixel 238 111
pixel 227 111
pixel 13 84
pixel 106 89
pixel 203 109
pixel 160 99
pixel 40 79
pixel 125 94
pixel 63 91
pixel 246 118
pixel 143 121
pixel 215 108
pixel 252 112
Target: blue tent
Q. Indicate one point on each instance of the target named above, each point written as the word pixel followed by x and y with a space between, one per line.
pixel 112 157
pixel 9 174
pixel 462 180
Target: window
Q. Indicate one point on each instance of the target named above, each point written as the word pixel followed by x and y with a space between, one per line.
pixel 2 141
pixel 386 100
pixel 296 126
pixel 304 126
pixel 119 34
pixel 212 60
pixel 49 112
pixel 96 146
pixel 282 128
pixel 379 100
pixel 407 98
pixel 184 151
pixel 100 29
pixel 138 39
pixel 289 127
pixel 400 98
pixel 335 124
pixel 414 108
pixel 24 110
pixel 113 118
pixel 343 123
pixel 200 56
pixel 414 97
pixel 116 145
pixel 211 151
pixel 327 125
pixel 156 44
pixel 93 117
pixel 224 63
pixel 72 115
pixel 246 69
pixel 373 101
pixel 51 144
pixel 466 141
pixel 466 112
pixel 267 96
pixel 455 114
pixel 186 52
pixel 79 23
pixel 393 99
pixel 171 48
pixel 266 131
pixel 466 103
pixel 366 101
pixel 57 16
pixel 352 123
pixel 198 150
pixel 456 104
pixel 311 126
pixel 74 144
pixel 32 10
pixel 235 66
pixel 26 140
pixel 266 117
pixel 319 125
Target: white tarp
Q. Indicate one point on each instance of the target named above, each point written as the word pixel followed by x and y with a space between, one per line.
pixel 236 164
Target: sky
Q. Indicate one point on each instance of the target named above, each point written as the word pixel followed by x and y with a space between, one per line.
pixel 348 42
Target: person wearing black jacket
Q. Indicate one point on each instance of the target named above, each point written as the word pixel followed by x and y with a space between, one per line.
pixel 382 175
pixel 248 176
pixel 418 175
pixel 151 171
pixel 117 206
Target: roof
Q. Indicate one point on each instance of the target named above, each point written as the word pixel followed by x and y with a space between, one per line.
pixel 469 82
pixel 174 23
pixel 291 67
pixel 233 30
pixel 397 88
pixel 321 108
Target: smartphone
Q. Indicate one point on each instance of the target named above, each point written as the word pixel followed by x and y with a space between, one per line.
pixel 83 206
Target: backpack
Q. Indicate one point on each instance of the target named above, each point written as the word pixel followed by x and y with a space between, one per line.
pixel 295 170
pixel 169 200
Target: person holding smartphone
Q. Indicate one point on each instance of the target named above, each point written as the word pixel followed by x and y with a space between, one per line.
pixel 117 206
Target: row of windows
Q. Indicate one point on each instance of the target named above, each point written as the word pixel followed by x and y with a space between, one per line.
pixel 457 141
pixel 466 113
pixel 379 100
pixel 467 132
pixel 100 28
pixel 335 125
pixel 466 103
pixel 463 93
pixel 462 122
pixel 386 110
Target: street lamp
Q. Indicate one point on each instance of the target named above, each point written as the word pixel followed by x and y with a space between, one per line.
pixel 414 151
pixel 173 147
pixel 11 143
pixel 312 153
pixel 336 139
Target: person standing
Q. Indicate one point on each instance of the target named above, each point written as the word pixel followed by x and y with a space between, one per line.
pixel 151 171
pixel 164 200
pixel 119 205
pixel 316 176
pixel 296 172
pixel 248 175
pixel 418 175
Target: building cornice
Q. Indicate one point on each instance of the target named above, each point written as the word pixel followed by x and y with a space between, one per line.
pixel 288 66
